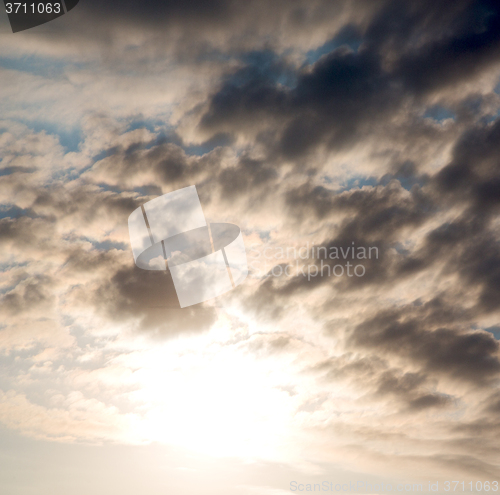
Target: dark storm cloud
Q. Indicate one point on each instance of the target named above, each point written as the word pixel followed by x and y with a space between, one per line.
pixel 164 13
pixel 380 216
pixel 416 26
pixel 120 293
pixel 409 388
pixel 339 99
pixel 479 265
pixel 468 245
pixel 198 31
pixel 155 164
pixel 390 383
pixel 248 176
pixel 150 297
pixel 473 45
pixel 210 15
pixel 410 391
pixel 170 163
pixel 474 174
pixel 374 213
pixel 329 104
pixel 375 217
pixel 416 332
pixel 266 302
pixel 160 166
pixel 248 95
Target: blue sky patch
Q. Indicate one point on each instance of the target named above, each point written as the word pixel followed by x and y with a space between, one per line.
pixel 439 113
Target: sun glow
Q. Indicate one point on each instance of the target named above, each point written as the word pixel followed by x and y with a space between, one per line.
pixel 214 401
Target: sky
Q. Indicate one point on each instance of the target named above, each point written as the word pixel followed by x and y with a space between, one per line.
pixel 356 144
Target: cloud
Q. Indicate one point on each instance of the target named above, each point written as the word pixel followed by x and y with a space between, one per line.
pixel 150 297
pixel 416 334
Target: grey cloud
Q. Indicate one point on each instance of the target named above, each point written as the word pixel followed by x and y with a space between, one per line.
pixel 494 404
pixel 165 163
pixel 33 294
pixel 329 104
pixel 86 203
pixel 376 217
pixel 249 176
pixel 468 245
pixel 79 260
pixel 27 234
pixel 416 333
pixel 473 173
pixel 150 297
pixel 410 389
pixel 381 211
pixel 337 101
pixel 429 400
pixel 473 45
